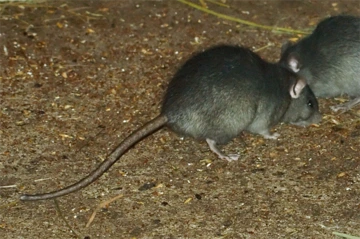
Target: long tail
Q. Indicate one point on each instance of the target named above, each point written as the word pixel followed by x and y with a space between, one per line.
pixel 125 145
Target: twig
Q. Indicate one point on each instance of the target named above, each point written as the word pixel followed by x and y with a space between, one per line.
pixel 252 24
pixel 57 207
pixel 218 3
pixel 262 48
pixel 9 186
pixel 41 179
pixel 100 206
pixel 345 235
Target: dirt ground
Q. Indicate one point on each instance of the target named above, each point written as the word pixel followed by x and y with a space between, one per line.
pixel 77 77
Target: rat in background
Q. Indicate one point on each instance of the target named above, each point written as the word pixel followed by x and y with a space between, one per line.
pixel 329 59
pixel 216 95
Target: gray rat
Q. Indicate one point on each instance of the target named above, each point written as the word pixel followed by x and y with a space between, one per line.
pixel 329 59
pixel 216 95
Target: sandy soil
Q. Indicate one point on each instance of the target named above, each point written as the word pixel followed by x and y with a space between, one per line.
pixel 77 77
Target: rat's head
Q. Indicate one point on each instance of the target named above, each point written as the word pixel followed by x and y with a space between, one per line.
pixel 303 109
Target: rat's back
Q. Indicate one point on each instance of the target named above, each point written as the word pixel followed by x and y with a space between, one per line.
pixel 216 93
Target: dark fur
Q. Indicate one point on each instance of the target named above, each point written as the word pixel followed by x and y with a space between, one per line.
pixel 215 95
pixel 227 89
pixel 329 58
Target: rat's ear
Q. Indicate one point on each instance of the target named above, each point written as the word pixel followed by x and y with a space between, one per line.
pixel 296 88
pixel 293 62
pixel 289 57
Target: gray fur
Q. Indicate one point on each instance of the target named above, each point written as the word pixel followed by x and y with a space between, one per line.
pixel 228 89
pixel 329 58
pixel 213 97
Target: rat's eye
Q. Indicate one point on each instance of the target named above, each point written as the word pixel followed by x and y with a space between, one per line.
pixel 310 104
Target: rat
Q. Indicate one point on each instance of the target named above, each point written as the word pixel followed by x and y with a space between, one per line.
pixel 214 96
pixel 329 59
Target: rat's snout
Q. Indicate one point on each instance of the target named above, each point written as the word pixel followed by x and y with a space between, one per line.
pixel 317 117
